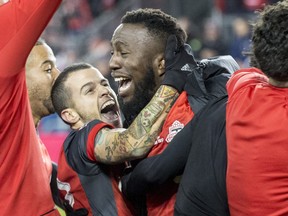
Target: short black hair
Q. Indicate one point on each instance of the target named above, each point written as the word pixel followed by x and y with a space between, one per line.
pixel 270 40
pixel 61 94
pixel 159 24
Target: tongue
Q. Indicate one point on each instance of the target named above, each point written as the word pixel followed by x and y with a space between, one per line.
pixel 124 87
pixel 111 115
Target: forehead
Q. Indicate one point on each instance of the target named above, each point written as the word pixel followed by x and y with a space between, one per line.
pixel 41 53
pixel 79 78
pixel 131 34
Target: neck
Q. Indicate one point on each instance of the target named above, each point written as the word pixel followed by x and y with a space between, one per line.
pixel 3 1
pixel 279 84
pixel 77 125
pixel 36 120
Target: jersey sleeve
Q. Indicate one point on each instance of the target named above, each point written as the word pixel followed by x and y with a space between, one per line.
pixel 23 21
pixel 79 148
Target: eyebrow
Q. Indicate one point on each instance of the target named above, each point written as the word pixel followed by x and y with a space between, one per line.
pixel 48 62
pixel 119 43
pixel 86 85
pixel 104 81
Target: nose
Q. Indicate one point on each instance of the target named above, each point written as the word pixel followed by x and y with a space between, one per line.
pixel 55 73
pixel 114 62
pixel 103 91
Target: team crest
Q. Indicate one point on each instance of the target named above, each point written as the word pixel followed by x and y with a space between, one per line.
pixel 173 130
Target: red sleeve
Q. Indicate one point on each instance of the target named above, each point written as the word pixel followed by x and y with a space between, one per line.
pixel 22 22
pixel 91 139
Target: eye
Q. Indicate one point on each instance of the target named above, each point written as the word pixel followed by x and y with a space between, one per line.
pixel 48 70
pixel 105 83
pixel 111 52
pixel 89 91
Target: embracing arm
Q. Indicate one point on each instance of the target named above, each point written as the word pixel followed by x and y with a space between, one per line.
pixel 118 145
pixel 22 22
pixel 153 171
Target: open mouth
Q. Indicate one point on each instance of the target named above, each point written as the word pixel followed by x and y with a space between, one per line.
pixel 110 111
pixel 124 84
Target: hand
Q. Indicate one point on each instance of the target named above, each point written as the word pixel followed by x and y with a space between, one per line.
pixel 178 64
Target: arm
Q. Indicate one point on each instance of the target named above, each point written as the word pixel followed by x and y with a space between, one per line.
pixel 23 21
pixel 118 145
pixel 156 170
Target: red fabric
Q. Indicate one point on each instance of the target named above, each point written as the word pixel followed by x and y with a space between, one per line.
pixel 162 200
pixel 46 159
pixel 69 185
pixel 24 188
pixel 257 134
pixel 91 140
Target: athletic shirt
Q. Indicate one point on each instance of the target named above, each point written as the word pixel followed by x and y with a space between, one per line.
pixel 46 159
pixel 69 185
pixel 24 187
pixel 257 134
pixel 94 183
pixel 161 200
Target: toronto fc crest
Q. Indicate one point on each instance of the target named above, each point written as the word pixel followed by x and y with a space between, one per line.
pixel 173 130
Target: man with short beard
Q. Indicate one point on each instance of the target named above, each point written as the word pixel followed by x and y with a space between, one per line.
pixel 41 72
pixel 138 64
pixel 24 187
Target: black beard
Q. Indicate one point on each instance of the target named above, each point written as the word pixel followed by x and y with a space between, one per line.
pixel 144 91
pixel 48 104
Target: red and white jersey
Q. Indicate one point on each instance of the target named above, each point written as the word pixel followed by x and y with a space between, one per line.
pixel 162 200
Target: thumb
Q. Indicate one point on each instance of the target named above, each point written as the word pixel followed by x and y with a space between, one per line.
pixel 188 49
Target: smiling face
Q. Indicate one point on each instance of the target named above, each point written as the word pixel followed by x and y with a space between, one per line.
pixel 135 64
pixel 41 72
pixel 92 97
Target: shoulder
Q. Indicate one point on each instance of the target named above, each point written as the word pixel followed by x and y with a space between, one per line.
pixel 245 77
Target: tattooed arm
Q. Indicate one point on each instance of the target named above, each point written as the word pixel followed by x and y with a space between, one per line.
pixel 118 145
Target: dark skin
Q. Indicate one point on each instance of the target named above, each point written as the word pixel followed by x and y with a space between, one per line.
pixel 134 54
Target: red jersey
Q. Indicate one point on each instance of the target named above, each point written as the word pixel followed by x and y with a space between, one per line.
pixel 95 185
pixel 69 185
pixel 257 134
pixel 24 187
pixel 162 200
pixel 46 159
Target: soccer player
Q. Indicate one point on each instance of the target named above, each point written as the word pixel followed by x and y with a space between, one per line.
pixel 24 187
pixel 138 64
pixel 257 121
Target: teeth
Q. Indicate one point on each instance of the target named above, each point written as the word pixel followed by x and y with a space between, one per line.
pixel 108 103
pixel 118 79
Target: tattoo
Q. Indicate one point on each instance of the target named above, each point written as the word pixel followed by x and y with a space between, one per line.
pixel 137 140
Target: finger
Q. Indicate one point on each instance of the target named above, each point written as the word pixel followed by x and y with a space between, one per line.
pixel 188 49
pixel 171 47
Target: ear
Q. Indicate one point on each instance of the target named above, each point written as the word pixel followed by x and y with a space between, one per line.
pixel 159 64
pixel 70 116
